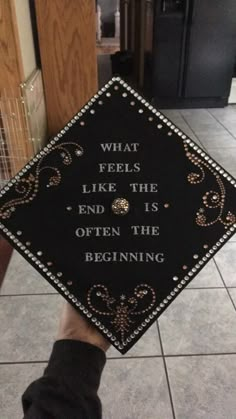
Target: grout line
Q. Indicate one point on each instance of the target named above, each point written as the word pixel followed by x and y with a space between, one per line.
pixel 23 295
pixel 203 354
pixel 218 269
pixel 127 358
pixel 23 362
pixel 166 371
pixel 221 123
pixel 133 357
pixel 56 293
pixel 203 288
pixel 187 123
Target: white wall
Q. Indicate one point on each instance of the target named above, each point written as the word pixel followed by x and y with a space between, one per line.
pixel 25 36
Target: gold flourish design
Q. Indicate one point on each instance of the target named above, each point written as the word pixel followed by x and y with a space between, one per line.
pixel 211 199
pixel 121 309
pixel 27 187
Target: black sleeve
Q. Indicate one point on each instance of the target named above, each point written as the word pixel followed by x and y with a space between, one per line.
pixel 69 385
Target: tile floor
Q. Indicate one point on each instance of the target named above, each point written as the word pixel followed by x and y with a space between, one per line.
pixel 185 365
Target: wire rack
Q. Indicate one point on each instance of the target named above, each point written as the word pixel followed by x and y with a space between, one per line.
pixel 22 126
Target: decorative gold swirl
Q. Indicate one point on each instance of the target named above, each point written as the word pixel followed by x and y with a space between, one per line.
pixel 123 308
pixel 28 186
pixel 211 199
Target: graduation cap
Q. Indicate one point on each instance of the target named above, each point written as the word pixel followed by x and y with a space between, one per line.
pixel 119 212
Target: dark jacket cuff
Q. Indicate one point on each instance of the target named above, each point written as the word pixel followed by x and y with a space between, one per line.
pixel 77 359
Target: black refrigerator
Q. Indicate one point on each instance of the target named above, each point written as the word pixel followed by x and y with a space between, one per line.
pixel 194 52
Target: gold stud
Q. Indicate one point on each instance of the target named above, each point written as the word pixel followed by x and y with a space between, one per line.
pixel 120 206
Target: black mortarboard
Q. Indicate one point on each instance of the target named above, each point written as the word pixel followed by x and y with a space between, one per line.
pixel 119 212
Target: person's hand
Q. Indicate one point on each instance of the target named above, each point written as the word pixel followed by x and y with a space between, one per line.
pixel 73 326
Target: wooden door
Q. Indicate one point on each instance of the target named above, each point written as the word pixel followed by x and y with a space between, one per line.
pixel 67 42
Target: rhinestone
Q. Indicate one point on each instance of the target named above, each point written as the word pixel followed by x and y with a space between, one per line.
pixel 82 123
pixel 132 103
pixel 124 94
pixel 100 102
pixel 175 278
pixel 79 152
pixel 116 87
pixel 39 253
pixel 92 111
pixel 19 233
pixel 159 126
pixel 169 133
pixel 140 110
pixel 69 208
pixel 195 256
pixel 59 274
pixel 69 282
pixel 150 118
pixel 108 94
